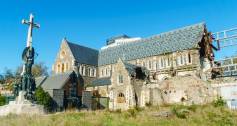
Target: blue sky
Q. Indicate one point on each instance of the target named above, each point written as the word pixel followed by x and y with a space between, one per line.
pixel 91 22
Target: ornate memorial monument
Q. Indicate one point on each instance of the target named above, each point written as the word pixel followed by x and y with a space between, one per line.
pixel 28 81
pixel 24 92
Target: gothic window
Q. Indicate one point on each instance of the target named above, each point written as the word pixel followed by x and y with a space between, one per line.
pixel 154 65
pixel 63 68
pixel 157 65
pixel 94 72
pixel 162 62
pixel 102 72
pixel 120 79
pixel 83 70
pixel 189 58
pixel 121 98
pixel 73 89
pixel 89 72
pixel 178 60
pixel 150 65
pixel 181 60
pixel 106 72
pixel 63 54
pixel 58 70
pixel 80 69
pixel 168 61
pixel 185 59
pixel 67 68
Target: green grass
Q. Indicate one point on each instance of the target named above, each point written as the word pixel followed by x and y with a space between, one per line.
pixel 206 115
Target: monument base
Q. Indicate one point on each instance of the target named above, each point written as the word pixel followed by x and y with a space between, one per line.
pixel 21 106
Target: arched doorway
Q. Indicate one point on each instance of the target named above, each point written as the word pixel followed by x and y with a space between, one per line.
pixel 121 98
pixel 121 101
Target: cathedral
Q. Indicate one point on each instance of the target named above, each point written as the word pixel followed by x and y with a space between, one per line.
pixel 128 71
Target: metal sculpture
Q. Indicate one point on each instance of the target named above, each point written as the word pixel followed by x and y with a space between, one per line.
pixel 27 79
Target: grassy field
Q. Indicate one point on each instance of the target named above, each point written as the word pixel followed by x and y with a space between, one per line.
pixel 206 115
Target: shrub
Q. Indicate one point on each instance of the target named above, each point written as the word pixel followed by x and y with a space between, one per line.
pixel 43 98
pixel 3 100
pixel 138 109
pixel 181 111
pixel 192 108
pixel 118 110
pixel 148 104
pixel 132 112
pixel 220 102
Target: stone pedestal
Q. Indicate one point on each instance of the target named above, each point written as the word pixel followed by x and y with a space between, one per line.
pixel 21 106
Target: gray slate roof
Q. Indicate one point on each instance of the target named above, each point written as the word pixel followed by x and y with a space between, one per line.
pixel 40 80
pixel 101 82
pixel 176 40
pixel 84 54
pixel 130 68
pixel 56 81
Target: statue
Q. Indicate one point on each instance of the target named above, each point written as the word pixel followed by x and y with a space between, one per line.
pixel 27 79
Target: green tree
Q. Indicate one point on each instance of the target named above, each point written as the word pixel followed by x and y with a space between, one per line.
pixel 2 100
pixel 9 79
pixel 2 81
pixel 43 98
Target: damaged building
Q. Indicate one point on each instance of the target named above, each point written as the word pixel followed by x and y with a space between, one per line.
pixel 130 71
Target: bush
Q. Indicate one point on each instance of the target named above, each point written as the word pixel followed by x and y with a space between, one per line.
pixel 132 112
pixel 43 98
pixel 118 110
pixel 181 111
pixel 220 102
pixel 148 104
pixel 192 108
pixel 3 100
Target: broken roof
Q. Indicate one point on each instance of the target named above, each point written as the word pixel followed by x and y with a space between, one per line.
pixel 176 40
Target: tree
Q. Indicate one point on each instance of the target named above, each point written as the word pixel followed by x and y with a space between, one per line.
pixel 2 100
pixel 9 79
pixel 43 98
pixel 2 80
pixel 38 69
pixel 9 76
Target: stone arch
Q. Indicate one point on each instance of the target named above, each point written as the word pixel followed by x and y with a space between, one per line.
pixel 165 78
pixel 121 98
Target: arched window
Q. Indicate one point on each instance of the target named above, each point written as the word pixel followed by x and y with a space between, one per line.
pixel 63 54
pixel 189 58
pixel 58 69
pixel 121 98
pixel 67 68
pixel 62 67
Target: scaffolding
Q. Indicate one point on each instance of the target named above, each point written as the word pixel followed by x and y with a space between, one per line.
pixel 225 38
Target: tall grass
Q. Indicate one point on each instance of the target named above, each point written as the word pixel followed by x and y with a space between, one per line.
pixel 206 115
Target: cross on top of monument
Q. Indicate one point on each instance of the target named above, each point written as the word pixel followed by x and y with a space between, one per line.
pixel 30 30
